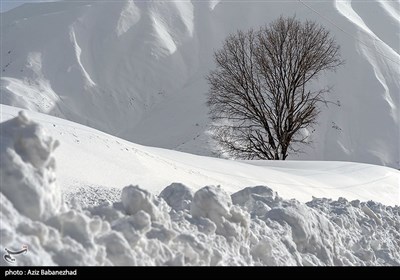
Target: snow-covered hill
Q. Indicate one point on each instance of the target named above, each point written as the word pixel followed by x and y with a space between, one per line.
pixel 90 158
pixel 136 69
pixel 62 196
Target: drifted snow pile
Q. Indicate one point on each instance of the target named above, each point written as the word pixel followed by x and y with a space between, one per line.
pixel 27 168
pixel 209 227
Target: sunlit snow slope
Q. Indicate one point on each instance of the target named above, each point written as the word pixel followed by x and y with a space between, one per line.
pixel 136 69
pixel 90 158
pixel 72 195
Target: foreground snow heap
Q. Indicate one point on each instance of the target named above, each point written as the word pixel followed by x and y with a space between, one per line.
pixel 209 227
pixel 27 168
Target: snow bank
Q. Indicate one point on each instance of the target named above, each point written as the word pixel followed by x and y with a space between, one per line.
pixel 28 168
pixel 251 227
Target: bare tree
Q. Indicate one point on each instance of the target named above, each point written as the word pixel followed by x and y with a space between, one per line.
pixel 259 95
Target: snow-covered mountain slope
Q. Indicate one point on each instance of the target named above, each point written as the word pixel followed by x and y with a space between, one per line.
pixel 182 225
pixel 88 157
pixel 136 69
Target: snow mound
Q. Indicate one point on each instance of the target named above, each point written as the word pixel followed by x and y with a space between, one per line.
pixel 251 227
pixel 135 199
pixel 178 196
pixel 28 168
pixel 215 204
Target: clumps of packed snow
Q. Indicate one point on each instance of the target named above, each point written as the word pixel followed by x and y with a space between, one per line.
pixel 178 196
pixel 215 204
pixel 89 196
pixel 135 199
pixel 210 227
pixel 27 168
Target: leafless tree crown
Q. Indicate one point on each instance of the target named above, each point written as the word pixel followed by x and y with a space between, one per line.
pixel 259 97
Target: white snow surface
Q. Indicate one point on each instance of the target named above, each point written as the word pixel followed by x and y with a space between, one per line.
pixel 90 158
pixel 31 186
pixel 135 69
pixel 202 219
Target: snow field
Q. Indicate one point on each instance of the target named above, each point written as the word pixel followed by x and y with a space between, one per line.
pixel 135 68
pixel 253 226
